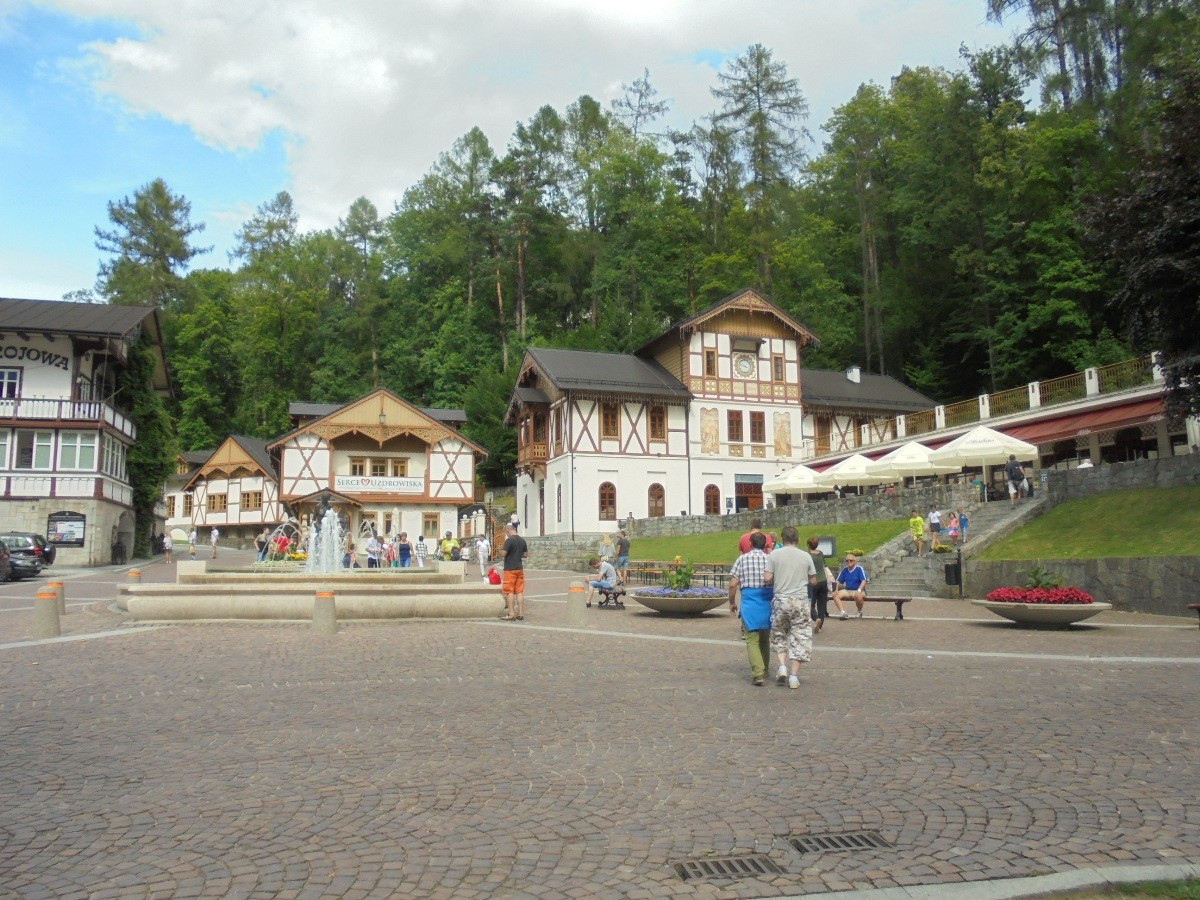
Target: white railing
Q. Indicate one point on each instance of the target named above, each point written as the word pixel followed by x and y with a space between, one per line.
pixel 82 486
pixel 48 409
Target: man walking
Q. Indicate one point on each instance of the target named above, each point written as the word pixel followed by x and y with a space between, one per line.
pixel 483 552
pixel 622 558
pixel 748 577
pixel 515 550
pixel 790 573
pixel 935 527
pixel 212 539
pixel 192 543
pixel 169 547
pixel 755 528
pixel 1016 479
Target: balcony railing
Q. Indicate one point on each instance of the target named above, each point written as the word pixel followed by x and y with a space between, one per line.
pixel 50 410
pixel 536 452
pixel 920 423
pixel 963 413
pixel 1122 376
pixel 1011 401
pixel 1060 390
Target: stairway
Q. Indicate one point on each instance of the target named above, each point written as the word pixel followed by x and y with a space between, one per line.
pixel 913 576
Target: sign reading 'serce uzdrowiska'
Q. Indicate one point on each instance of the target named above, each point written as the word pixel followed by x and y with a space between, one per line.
pixel 370 484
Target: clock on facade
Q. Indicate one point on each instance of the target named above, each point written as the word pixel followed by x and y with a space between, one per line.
pixel 744 365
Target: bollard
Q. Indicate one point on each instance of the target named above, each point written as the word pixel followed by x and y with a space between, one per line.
pixel 324 613
pixel 62 595
pixel 576 607
pixel 135 576
pixel 45 616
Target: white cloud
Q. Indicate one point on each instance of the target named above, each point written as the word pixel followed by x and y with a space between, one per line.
pixel 368 92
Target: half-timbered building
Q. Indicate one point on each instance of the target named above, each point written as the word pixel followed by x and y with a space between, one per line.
pixel 380 461
pixel 692 422
pixel 234 488
pixel 64 432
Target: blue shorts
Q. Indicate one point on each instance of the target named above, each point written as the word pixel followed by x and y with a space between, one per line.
pixel 607 585
pixel 622 562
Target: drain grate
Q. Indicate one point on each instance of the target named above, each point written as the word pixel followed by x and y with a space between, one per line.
pixel 726 867
pixel 839 843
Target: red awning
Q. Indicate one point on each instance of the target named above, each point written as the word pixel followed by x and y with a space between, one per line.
pixel 1051 430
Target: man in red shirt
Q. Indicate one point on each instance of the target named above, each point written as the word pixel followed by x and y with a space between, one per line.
pixel 755 526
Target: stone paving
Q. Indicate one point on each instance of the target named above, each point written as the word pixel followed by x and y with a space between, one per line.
pixel 468 759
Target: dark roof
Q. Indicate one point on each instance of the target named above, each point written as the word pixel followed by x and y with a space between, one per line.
pixel 530 395
pixel 822 387
pixel 64 317
pixel 257 448
pixel 197 457
pixel 305 410
pixel 617 373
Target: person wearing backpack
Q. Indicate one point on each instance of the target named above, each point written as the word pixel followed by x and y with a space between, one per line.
pixel 1016 479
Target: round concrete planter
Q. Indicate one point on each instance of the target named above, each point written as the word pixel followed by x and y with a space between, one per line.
pixel 679 606
pixel 1046 615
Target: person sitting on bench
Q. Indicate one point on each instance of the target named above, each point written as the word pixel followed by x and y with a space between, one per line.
pixel 607 577
pixel 852 583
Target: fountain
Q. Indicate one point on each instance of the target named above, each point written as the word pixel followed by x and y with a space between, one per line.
pixel 326 545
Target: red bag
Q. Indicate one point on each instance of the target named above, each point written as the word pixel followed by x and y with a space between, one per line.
pixel 493 576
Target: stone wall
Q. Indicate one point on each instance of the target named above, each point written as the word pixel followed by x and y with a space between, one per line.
pixel 103 518
pixel 1164 472
pixel 1161 585
pixel 868 508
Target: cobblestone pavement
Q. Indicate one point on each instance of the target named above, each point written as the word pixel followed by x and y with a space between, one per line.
pixel 465 759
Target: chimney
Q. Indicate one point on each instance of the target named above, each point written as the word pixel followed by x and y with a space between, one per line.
pixel 854 373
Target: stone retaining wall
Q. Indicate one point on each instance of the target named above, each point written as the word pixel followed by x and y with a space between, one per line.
pixel 1161 585
pixel 1165 472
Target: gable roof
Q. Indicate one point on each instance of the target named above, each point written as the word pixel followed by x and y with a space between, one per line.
pixel 301 409
pixel 746 299
pixel 586 370
pixel 227 455
pixel 379 415
pixel 824 387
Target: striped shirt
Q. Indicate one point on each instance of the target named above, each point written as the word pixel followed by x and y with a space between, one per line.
pixel 750 569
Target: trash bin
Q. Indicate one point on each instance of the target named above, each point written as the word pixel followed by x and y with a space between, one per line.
pixel 953 573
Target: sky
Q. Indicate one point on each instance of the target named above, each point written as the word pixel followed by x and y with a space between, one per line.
pixel 232 101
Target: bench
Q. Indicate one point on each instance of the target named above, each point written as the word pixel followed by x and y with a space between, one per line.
pixel 899 601
pixel 1196 607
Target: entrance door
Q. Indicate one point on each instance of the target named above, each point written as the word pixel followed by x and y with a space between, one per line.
pixel 749 496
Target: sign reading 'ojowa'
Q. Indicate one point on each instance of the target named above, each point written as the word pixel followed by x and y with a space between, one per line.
pixel 370 484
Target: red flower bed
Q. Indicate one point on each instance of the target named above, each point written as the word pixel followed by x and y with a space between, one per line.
pixel 1040 595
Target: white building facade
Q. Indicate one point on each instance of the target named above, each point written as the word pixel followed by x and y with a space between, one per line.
pixel 692 423
pixel 64 440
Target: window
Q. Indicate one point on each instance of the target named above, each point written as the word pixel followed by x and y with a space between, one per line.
pixel 112 457
pixel 3 448
pixel 656 501
pixel 610 424
pixel 712 500
pixel 400 469
pixel 710 363
pixel 658 423
pixel 10 383
pixel 735 426
pixel 217 503
pixel 358 467
pixel 387 523
pixel 558 504
pixel 431 524
pixel 539 427
pixel 608 502
pixel 77 450
pixel 758 428
pixel 252 500
pixel 33 449
pixel 379 468
pixel 777 368
pixel 188 505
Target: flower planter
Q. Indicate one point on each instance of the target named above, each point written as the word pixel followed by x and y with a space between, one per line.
pixel 691 602
pixel 1047 615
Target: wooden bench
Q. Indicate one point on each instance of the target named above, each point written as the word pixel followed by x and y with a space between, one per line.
pixel 1196 607
pixel 899 601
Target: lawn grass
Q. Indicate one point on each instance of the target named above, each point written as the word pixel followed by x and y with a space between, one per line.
pixel 1188 889
pixel 722 547
pixel 1147 522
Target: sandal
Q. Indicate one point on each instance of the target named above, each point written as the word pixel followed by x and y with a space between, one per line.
pixel 507 618
pixel 521 618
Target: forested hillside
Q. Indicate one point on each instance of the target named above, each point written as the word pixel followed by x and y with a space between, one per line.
pixel 963 231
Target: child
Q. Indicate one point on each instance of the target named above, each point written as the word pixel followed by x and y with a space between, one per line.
pixel 963 522
pixel 954 528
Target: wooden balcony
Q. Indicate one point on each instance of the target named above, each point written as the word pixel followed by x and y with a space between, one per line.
pixel 533 455
pixel 63 413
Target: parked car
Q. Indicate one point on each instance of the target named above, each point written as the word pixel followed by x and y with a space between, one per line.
pixel 49 551
pixel 26 555
pixel 5 562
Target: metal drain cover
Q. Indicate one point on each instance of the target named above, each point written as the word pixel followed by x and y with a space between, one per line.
pixel 839 843
pixel 726 867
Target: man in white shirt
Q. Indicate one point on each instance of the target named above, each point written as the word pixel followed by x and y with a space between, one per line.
pixel 483 551
pixel 212 539
pixel 606 577
pixel 374 551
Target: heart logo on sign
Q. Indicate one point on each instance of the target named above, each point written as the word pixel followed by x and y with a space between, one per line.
pixel 365 482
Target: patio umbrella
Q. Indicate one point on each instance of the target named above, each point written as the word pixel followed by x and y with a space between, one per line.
pixel 800 480
pixel 983 446
pixel 179 535
pixel 851 470
pixel 910 460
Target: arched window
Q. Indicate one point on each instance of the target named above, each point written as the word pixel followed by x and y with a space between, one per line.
pixel 608 502
pixel 712 500
pixel 657 498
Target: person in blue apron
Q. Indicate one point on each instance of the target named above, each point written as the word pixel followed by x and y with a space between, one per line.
pixel 750 600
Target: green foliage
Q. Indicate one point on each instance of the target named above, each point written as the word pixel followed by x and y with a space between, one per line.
pixel 678 577
pixel 152 457
pixel 1038 577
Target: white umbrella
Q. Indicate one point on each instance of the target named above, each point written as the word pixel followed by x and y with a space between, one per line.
pixel 851 470
pixel 800 480
pixel 910 460
pixel 983 446
pixel 179 535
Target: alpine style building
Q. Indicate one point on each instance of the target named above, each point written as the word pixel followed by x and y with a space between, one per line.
pixel 692 422
pixel 64 434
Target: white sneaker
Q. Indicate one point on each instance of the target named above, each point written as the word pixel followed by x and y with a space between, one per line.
pixel 781 676
pixel 859 616
pixel 793 682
